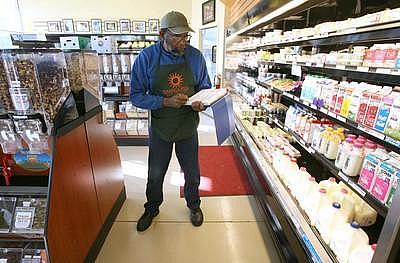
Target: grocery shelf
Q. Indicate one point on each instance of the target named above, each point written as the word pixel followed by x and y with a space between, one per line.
pixel 265 85
pixel 244 99
pixel 371 34
pixel 298 223
pixel 23 190
pixel 372 74
pixel 390 143
pixel 349 181
pixel 128 118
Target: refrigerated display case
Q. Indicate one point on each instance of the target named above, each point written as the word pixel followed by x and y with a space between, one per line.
pixel 302 76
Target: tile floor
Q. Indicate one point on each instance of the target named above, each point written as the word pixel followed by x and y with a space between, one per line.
pixel 231 232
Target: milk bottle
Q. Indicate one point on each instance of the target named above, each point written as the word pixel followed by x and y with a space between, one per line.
pixel 305 190
pixel 365 215
pixel 346 238
pixel 362 254
pixel 315 201
pixel 354 161
pixel 324 140
pixel 299 182
pixel 343 152
pixel 332 147
pixel 328 218
pixel 346 202
pixel 330 185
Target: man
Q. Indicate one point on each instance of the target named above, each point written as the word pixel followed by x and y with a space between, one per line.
pixel 164 75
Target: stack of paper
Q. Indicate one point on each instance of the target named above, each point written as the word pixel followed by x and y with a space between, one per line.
pixel 207 96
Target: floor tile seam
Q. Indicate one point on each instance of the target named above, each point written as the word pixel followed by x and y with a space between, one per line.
pixel 187 221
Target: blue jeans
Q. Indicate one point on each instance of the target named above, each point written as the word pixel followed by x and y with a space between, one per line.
pixel 160 152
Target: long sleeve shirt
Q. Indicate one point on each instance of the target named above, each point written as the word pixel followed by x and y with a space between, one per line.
pixel 145 66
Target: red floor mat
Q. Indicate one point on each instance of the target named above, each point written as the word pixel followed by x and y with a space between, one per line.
pixel 221 172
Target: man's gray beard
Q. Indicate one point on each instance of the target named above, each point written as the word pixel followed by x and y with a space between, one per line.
pixel 170 49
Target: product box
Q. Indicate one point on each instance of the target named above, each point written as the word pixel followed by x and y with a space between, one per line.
pixel 383 180
pixel 369 169
pixel 362 109
pixel 340 96
pixel 347 100
pixel 131 127
pixel 68 43
pixel 393 123
pixel 384 111
pixel 395 183
pixel 372 110
pixel 333 97
pixel 391 57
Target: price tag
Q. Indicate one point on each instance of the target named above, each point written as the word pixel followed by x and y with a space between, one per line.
pixel 323 110
pixel 285 128
pixel 308 64
pixel 320 65
pixel 357 188
pixel 296 70
pixel 363 69
pixel 341 67
pixel 311 150
pixel 341 118
pixel 384 70
pixel 343 176
pixel 288 95
pixel 24 217
pixel 306 103
pixel 296 98
pixel 314 106
pixel 332 114
pixel 372 132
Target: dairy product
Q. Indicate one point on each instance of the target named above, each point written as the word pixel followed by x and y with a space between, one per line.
pixel 362 254
pixel 324 139
pixel 393 124
pixel 395 184
pixel 364 214
pixel 343 152
pixel 332 147
pixel 372 110
pixel 328 219
pixel 383 179
pixel 346 202
pixel 346 238
pixel 315 200
pixel 297 186
pixel 384 111
pixel 330 185
pixel 316 137
pixel 353 163
pixel 362 110
pixel 304 191
pixel 370 166
pixel 347 99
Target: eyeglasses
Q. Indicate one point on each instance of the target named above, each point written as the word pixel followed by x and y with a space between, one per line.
pixel 178 37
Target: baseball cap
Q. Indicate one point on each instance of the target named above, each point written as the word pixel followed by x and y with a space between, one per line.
pixel 176 22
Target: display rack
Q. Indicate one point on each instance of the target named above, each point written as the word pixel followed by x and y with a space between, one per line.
pixel 273 197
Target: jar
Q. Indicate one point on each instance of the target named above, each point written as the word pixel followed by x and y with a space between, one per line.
pixel 354 160
pixel 107 64
pixel 116 64
pixel 125 64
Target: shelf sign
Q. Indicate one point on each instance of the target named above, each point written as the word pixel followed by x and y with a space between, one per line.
pixel 357 188
pixel 323 110
pixel 320 65
pixel 384 70
pixel 372 132
pixel 332 114
pixel 296 70
pixel 314 106
pixel 341 67
pixel 343 176
pixel 288 95
pixel 363 69
pixel 340 118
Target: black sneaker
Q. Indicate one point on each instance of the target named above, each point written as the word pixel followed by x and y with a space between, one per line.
pixel 145 220
pixel 196 216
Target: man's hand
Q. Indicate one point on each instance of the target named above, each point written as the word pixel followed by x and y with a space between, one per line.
pixel 175 101
pixel 197 106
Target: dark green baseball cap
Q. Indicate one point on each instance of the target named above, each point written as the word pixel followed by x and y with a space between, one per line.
pixel 176 22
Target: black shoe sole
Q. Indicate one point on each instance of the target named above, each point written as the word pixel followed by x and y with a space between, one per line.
pixel 151 222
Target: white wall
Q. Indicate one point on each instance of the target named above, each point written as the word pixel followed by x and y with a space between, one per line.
pixel 47 10
pixel 9 16
pixel 219 23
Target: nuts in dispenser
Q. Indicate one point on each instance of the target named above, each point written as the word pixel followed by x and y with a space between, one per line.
pixel 5 99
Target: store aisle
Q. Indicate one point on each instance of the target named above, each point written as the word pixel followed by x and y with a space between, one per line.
pixel 231 232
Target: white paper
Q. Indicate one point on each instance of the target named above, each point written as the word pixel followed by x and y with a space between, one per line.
pixel 296 70
pixel 24 219
pixel 207 96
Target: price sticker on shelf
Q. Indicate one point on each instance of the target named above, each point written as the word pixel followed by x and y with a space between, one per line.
pixel 320 65
pixel 341 67
pixel 285 128
pixel 288 95
pixel 296 98
pixel 372 132
pixel 384 70
pixel 323 110
pixel 306 103
pixel 314 106
pixel 357 188
pixel 308 64
pixel 341 118
pixel 363 69
pixel 343 176
pixel 332 114
pixel 296 70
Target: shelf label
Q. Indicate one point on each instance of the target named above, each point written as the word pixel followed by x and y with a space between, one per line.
pixel 285 128
pixel 316 258
pixel 343 176
pixel 393 141
pixel 357 188
pixel 287 95
pixel 308 64
pixel 296 70
pixel 314 106
pixel 320 65
pixel 323 110
pixel 306 103
pixel 24 217
pixel 341 118
pixel 363 69
pixel 296 98
pixel 384 70
pixel 332 114
pixel 372 132
pixel 341 67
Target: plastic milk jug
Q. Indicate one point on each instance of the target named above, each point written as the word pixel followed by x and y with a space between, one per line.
pixel 362 254
pixel 328 219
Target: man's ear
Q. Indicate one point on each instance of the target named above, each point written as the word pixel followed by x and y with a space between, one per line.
pixel 162 34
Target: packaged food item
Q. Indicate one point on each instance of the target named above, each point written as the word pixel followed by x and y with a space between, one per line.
pixel 392 51
pixel 323 143
pixel 343 152
pixel 330 185
pixel 355 101
pixel 125 63
pixel 347 100
pixel 7 206
pixel 332 147
pixel 30 215
pixel 383 180
pixel 373 106
pixel 393 187
pixel 340 96
pixel 362 110
pixel 393 124
pixel 5 99
pixel 329 218
pixel 369 169
pixel 107 64
pixel 362 254
pixel 346 238
pixel 384 111
pixel 10 141
pixel 353 163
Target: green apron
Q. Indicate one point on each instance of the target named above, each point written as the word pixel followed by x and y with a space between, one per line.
pixel 172 124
